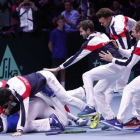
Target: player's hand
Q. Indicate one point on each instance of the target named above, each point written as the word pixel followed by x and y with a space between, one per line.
pixel 115 44
pixel 53 70
pixel 106 56
pixel 33 5
pixel 21 5
pixel 18 133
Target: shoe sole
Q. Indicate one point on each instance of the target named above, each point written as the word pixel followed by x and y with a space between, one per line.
pixel 117 128
pixel 88 115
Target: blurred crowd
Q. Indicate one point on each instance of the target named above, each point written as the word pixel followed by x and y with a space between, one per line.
pixel 29 18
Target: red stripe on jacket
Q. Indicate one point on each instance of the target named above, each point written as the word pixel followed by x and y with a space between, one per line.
pixel 137 51
pixel 27 85
pixel 95 47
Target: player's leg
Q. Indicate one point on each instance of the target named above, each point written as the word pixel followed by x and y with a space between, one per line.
pixel 48 116
pixel 128 93
pixel 78 93
pixel 109 93
pixel 122 82
pixel 100 98
pixel 78 121
pixel 135 120
pixel 36 108
pixel 60 92
pixel 60 110
pixel 98 73
pixel 136 113
pixel 119 85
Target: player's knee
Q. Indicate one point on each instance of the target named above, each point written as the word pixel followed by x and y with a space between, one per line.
pixel 85 75
pixel 127 90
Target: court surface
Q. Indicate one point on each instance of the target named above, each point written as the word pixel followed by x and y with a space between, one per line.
pixel 91 134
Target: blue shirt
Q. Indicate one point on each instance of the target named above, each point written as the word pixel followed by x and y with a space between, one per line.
pixel 58 38
pixel 73 16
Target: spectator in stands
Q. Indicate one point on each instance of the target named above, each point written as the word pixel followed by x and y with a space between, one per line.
pixel 27 16
pixel 71 22
pixel 71 17
pixel 117 8
pixel 5 19
pixel 58 47
pixel 15 20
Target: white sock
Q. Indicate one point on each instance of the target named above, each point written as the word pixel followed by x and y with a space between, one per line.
pixel 63 84
pixel 72 117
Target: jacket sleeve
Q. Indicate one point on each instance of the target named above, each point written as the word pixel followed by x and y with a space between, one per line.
pixel 75 58
pixel 24 105
pixel 132 60
pixel 130 23
pixel 126 53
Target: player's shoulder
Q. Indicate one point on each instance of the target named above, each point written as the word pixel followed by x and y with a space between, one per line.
pixel 119 20
pixel 12 80
pixel 118 17
pixel 98 37
pixel 3 83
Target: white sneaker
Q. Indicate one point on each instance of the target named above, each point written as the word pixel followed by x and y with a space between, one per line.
pixel 81 122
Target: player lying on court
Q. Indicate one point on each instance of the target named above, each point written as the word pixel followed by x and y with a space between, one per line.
pixel 133 88
pixel 38 109
pixel 24 87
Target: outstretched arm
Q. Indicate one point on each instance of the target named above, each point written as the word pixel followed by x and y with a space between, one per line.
pixel 70 61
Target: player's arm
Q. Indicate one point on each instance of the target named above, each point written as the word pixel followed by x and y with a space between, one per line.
pixel 123 52
pixel 51 40
pixel 87 48
pixel 133 59
pixel 130 23
pixel 126 53
pixel 70 61
pixel 50 46
pixel 24 105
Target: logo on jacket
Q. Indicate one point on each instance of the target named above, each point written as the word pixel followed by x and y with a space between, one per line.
pixel 8 67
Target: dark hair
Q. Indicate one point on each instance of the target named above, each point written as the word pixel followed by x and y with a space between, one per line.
pixel 104 12
pixel 4 95
pixel 60 17
pixel 68 1
pixel 86 24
